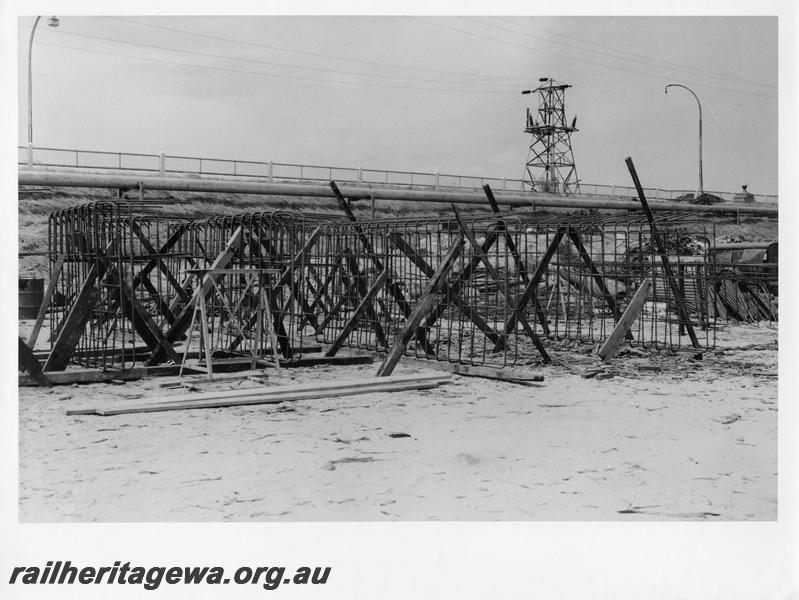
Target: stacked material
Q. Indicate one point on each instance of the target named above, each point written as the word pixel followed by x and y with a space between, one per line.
pixel 747 301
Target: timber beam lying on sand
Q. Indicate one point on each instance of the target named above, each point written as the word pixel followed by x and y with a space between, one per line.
pixel 507 374
pixel 71 376
pixel 275 394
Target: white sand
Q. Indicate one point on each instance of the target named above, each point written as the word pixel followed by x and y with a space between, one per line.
pixel 694 440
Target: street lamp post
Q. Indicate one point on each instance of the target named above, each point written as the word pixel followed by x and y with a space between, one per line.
pixel 52 22
pixel 699 104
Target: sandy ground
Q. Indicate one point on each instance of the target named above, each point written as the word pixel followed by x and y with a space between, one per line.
pixel 668 437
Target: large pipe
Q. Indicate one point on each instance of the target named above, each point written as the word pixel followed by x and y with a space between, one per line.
pixel 722 247
pixel 530 200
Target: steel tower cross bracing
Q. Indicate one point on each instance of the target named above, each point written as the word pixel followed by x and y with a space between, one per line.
pixel 550 163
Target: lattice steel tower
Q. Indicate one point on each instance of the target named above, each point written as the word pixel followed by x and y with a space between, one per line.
pixel 550 162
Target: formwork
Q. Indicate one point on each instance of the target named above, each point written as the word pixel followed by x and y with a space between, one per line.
pixel 488 289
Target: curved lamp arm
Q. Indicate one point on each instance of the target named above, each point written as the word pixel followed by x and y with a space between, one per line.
pixel 699 104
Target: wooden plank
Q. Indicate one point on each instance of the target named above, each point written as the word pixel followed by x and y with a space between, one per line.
pixel 71 376
pixel 281 390
pixel 313 361
pixel 421 308
pixel 74 323
pixel 619 333
pixel 363 307
pixel 48 296
pixel 232 361
pixel 27 361
pixel 682 312
pixel 273 393
pixel 509 374
pixel 191 380
pixel 178 328
pixel 375 389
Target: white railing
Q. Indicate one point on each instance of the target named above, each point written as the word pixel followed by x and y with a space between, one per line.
pixel 164 164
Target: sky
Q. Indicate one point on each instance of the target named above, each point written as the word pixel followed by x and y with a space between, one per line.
pixel 414 93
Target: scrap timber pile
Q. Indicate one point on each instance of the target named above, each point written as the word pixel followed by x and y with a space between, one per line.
pixel 744 291
pixel 132 285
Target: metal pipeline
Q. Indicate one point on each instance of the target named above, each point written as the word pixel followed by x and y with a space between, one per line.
pixel 28 177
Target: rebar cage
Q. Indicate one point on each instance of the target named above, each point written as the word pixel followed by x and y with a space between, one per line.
pixel 492 289
pixel 128 283
pixel 561 279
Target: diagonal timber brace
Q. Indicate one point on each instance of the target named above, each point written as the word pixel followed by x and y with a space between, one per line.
pixel 181 324
pixel 364 308
pixel 422 306
pixel 495 276
pixel 451 294
pixel 285 278
pixel 394 288
pixel 531 288
pixel 521 268
pixel 72 327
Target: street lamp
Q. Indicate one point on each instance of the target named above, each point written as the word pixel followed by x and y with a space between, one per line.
pixel 701 184
pixel 52 22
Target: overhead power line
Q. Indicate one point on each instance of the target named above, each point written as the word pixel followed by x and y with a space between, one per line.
pixel 319 55
pixel 273 75
pixel 623 54
pixel 590 62
pixel 271 63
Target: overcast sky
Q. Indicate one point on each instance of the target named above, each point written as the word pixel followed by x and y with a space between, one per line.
pixel 407 93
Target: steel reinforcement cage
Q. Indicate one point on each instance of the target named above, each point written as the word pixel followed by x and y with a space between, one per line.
pixel 512 286
pixel 564 279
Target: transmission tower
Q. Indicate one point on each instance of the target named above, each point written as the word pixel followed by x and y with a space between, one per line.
pixel 550 162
